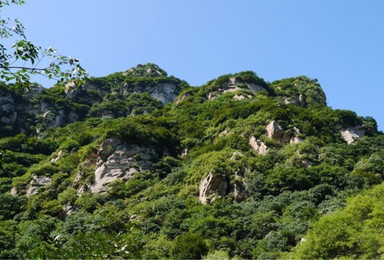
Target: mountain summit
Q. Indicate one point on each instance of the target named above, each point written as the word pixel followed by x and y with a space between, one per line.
pixel 147 70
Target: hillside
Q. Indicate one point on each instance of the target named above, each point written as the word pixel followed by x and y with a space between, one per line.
pixel 139 164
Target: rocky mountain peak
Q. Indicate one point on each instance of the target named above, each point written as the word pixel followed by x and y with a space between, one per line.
pixel 146 70
pixel 301 91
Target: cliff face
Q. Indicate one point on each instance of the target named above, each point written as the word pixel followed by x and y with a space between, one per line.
pixel 116 160
pixel 16 110
pixel 138 90
pixel 7 108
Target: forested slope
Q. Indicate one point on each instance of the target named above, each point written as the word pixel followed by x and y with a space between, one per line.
pixel 139 164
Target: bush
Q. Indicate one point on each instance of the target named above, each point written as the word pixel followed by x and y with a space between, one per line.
pixel 46 169
pixel 189 246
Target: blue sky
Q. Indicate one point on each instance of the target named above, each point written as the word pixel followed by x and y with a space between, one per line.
pixel 338 42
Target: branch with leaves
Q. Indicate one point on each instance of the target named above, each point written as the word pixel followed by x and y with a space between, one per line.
pixel 23 59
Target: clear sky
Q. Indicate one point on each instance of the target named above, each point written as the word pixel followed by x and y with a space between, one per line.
pixel 338 42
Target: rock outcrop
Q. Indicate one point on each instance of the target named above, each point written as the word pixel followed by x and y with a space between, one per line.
pixel 239 191
pixel 274 131
pixel 107 147
pixel 212 187
pixel 37 182
pixel 165 92
pixel 258 145
pixel 38 109
pixel 34 91
pixel 241 97
pixel 14 107
pixel 297 100
pixel 215 186
pixel 121 164
pixel 146 70
pixel 116 160
pixel 351 134
pixel 8 113
pixel 295 139
pixel 234 85
pixel 277 132
pixel 59 155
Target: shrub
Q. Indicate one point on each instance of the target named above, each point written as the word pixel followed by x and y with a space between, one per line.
pixel 189 246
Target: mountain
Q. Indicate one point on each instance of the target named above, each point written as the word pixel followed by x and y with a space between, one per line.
pixel 136 91
pixel 139 164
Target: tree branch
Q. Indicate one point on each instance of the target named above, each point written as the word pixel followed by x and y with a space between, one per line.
pixel 22 68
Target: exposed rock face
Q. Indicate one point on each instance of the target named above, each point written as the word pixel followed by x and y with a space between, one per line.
pixel 50 117
pixel 22 111
pixel 14 191
pixel 70 89
pixel 239 191
pixel 241 97
pixel 7 109
pixel 274 130
pixel 225 132
pixel 212 187
pixel 107 147
pixel 298 101
pixel 37 182
pixel 234 85
pixel 34 91
pixel 255 88
pixel 236 156
pixel 39 108
pixel 59 155
pixel 165 92
pixel 258 145
pixel 351 134
pixel 295 139
pixel 68 209
pixel 14 108
pixel 185 152
pixel 59 119
pixel 146 70
pixel 119 161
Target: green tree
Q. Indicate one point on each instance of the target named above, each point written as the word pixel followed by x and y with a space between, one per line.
pixel 355 231
pixel 21 59
pixel 189 246
pixel 8 233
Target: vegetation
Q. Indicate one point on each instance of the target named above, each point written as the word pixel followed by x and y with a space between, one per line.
pixel 23 58
pixel 310 195
pixel 354 231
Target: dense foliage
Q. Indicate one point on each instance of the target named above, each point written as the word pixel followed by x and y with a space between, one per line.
pixel 354 231
pixel 310 183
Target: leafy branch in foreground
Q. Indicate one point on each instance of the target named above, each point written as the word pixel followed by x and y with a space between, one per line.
pixel 20 60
